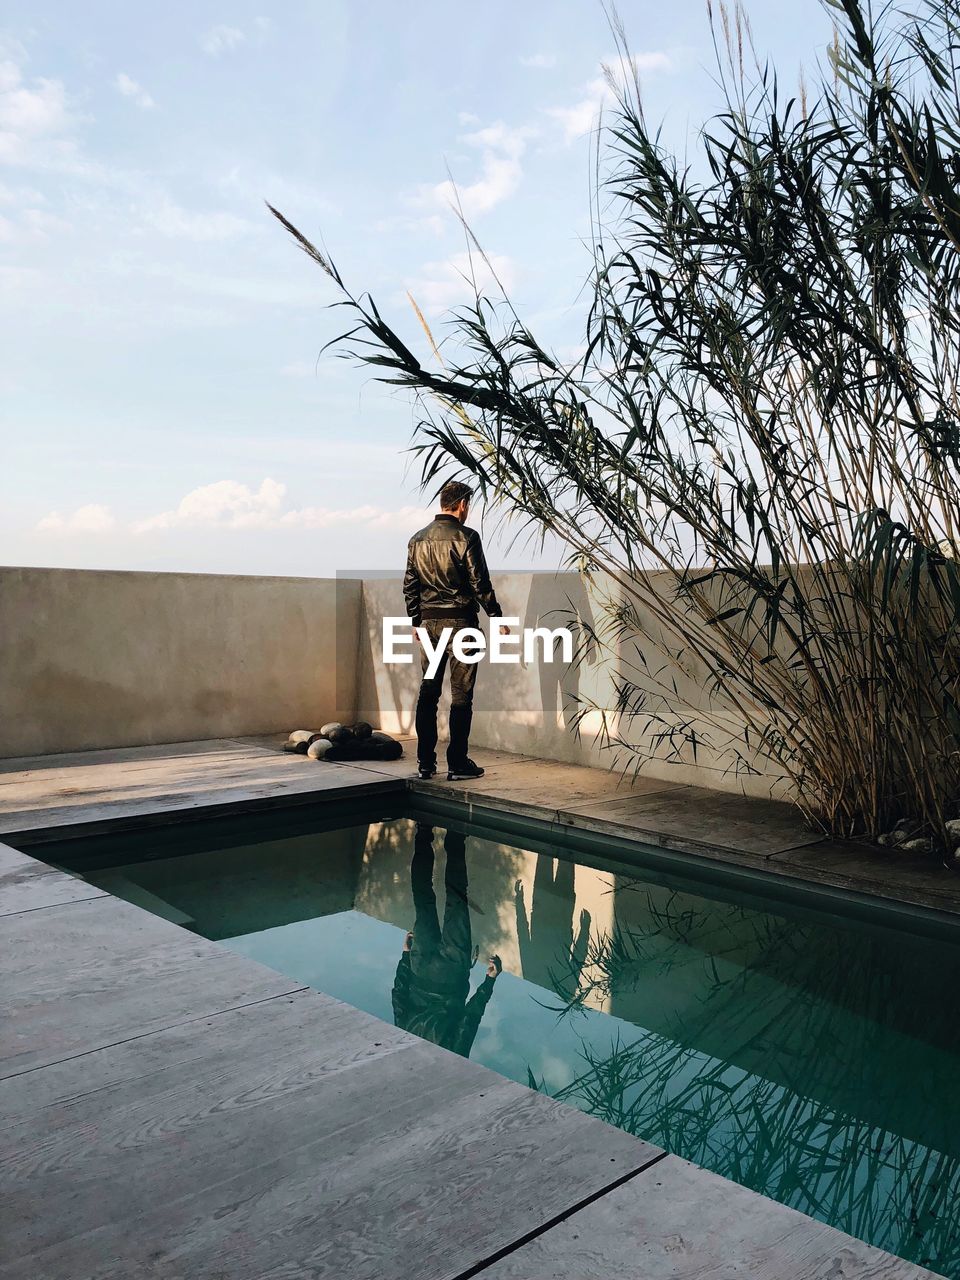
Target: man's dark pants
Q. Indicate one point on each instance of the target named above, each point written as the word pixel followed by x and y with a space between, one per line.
pixel 441 957
pixel 463 676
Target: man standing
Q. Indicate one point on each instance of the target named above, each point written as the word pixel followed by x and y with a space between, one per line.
pixel 445 585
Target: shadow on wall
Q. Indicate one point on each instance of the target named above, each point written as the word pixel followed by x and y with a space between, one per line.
pixel 552 710
pixel 561 601
pixel 518 707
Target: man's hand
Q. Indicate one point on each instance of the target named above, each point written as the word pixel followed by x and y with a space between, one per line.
pixel 494 967
pixel 408 940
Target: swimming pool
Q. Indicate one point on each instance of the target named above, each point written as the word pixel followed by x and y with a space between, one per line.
pixel 809 1056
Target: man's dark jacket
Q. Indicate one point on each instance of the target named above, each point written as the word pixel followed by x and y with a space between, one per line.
pixel 447 573
pixel 434 1011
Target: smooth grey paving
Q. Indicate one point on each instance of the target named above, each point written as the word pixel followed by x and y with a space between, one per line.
pixel 701 820
pixel 678 1222
pixel 887 873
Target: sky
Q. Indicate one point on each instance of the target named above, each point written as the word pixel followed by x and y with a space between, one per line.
pixel 162 404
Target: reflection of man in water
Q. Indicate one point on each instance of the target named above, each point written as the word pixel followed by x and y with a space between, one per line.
pixel 550 955
pixel 432 986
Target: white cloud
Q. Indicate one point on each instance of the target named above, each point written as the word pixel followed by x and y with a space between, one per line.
pixel 246 286
pixel 130 88
pixel 32 226
pixel 442 285
pixel 251 184
pixel 539 60
pixel 92 518
pixel 225 504
pixel 21 283
pixel 501 150
pixel 432 224
pixel 184 224
pixel 228 504
pixel 34 118
pixel 222 39
pixel 299 369
pixel 652 60
pixel 582 116
pixel 29 220
pixel 370 517
pixel 20 196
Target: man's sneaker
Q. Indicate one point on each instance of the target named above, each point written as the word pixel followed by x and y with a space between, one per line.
pixel 467 770
pixel 426 771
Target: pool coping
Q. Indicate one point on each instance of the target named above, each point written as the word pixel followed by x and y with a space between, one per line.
pixel 634 848
pixel 849 875
pixel 633 855
pixel 852 868
pixel 37 836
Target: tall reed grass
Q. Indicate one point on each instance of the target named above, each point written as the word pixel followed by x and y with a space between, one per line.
pixel 765 411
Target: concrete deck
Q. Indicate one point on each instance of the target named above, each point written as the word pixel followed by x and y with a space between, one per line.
pixel 172 1109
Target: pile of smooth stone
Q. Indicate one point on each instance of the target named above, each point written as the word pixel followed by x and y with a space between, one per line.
pixel 906 837
pixel 337 741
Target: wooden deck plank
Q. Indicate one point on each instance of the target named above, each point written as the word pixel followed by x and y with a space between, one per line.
pixel 80 774
pixel 89 779
pixel 678 1222
pixel 26 885
pixel 188 1112
pixel 124 803
pixel 76 787
pixel 95 972
pixel 201 1047
pixel 295 1138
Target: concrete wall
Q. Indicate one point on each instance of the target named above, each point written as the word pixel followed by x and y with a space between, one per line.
pixel 102 659
pixel 532 709
pixel 105 659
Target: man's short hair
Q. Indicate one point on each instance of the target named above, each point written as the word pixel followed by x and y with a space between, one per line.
pixel 453 493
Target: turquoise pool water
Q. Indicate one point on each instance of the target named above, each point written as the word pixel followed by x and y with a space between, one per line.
pixel 810 1058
